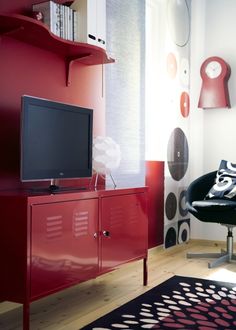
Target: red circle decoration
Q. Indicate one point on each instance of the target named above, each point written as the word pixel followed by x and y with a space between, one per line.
pixel 184 104
pixel 171 65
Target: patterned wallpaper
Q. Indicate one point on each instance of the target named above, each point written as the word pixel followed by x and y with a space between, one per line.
pixel 177 52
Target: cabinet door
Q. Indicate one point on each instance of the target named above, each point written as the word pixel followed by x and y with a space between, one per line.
pixel 64 244
pixel 124 226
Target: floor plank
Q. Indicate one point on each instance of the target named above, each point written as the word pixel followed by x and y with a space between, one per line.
pixel 73 308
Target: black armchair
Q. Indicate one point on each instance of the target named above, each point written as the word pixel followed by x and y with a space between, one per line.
pixel 222 211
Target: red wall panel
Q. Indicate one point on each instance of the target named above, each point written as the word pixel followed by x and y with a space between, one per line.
pixel 155 182
pixel 30 70
pixel 26 69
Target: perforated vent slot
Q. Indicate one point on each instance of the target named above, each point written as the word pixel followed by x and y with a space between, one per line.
pixel 80 223
pixel 116 216
pixel 134 214
pixel 54 227
pixel 119 215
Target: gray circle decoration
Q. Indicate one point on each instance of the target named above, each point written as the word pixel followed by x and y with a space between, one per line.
pixel 182 203
pixel 178 18
pixel 177 154
pixel 171 205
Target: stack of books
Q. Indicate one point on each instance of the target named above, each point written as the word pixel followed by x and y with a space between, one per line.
pixel 61 20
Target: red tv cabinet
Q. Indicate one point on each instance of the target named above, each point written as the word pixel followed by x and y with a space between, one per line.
pixel 50 242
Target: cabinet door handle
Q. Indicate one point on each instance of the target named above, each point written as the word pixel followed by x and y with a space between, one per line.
pixel 106 233
pixel 95 235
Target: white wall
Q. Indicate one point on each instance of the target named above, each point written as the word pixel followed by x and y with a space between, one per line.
pixel 213 131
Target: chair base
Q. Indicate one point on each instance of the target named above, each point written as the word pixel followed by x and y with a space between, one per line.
pixel 223 256
pixel 220 257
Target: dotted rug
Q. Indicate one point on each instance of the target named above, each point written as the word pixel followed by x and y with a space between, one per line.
pixel 178 303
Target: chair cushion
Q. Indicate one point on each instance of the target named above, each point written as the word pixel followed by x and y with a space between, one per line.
pixel 225 182
pixel 214 205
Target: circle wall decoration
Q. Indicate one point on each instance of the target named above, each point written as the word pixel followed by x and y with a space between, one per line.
pixel 171 65
pixel 178 18
pixel 171 205
pixel 184 72
pixel 182 204
pixel 184 104
pixel 170 237
pixel 184 231
pixel 177 154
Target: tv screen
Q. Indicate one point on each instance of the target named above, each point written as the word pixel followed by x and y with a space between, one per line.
pixel 56 140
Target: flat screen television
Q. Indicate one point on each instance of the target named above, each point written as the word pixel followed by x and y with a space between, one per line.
pixel 56 140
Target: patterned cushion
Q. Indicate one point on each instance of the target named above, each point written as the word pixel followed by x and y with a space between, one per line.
pixel 225 182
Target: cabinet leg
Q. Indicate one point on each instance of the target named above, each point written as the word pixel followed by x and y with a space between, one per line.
pixel 145 272
pixel 26 316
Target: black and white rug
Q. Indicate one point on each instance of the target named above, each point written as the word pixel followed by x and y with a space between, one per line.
pixel 178 303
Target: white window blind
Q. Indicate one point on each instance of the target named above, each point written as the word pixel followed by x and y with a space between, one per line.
pixel 125 84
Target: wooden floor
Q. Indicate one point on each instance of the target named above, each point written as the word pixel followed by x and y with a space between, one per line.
pixel 75 307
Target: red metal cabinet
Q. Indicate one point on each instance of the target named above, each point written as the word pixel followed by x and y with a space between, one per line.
pixel 124 229
pixel 64 244
pixel 50 242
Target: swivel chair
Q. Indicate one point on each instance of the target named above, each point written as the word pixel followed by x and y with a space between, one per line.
pixel 222 211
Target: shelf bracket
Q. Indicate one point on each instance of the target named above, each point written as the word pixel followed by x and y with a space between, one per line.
pixel 69 62
pixel 68 69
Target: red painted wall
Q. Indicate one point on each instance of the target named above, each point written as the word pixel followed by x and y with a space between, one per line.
pixel 155 182
pixel 25 69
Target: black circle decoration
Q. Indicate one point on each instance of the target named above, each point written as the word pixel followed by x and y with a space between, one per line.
pixel 182 203
pixel 177 154
pixel 171 205
pixel 184 231
pixel 170 237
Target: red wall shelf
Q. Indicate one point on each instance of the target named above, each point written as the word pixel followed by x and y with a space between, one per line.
pixel 36 33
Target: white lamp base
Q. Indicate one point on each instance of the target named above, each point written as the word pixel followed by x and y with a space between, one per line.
pixel 112 179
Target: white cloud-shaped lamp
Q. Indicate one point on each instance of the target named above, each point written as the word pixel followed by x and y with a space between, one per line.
pixel 106 156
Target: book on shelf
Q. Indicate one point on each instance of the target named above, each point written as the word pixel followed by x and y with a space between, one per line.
pixel 75 25
pixel 59 18
pixel 50 12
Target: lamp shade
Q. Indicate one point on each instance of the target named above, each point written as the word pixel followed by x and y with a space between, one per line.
pixel 106 155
